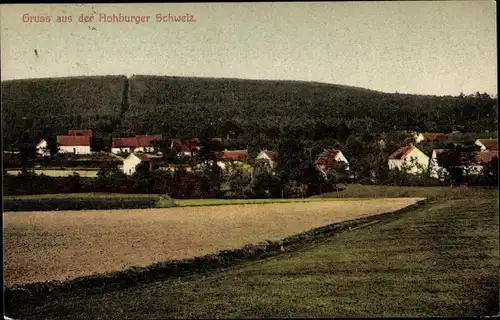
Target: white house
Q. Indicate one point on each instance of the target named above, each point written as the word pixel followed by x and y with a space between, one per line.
pixel 77 142
pixel 487 144
pixel 73 144
pixel 130 163
pixel 328 158
pixel 269 157
pixel 409 158
pixel 41 148
pixel 143 143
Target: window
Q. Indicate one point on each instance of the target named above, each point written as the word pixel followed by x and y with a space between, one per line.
pixel 74 150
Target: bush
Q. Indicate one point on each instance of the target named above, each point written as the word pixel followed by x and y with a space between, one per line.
pixel 296 190
pixel 87 203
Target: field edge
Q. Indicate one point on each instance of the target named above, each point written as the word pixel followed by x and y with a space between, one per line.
pixel 38 292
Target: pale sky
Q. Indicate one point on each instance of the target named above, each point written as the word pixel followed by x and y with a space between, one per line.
pixel 426 47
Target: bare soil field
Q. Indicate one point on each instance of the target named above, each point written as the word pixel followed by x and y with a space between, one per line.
pixel 42 246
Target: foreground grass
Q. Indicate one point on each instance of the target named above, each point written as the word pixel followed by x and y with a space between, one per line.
pixel 441 259
pixel 381 191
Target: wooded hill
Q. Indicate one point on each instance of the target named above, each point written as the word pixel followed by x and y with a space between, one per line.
pixel 249 110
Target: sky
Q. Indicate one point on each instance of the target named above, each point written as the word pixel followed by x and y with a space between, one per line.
pixel 430 47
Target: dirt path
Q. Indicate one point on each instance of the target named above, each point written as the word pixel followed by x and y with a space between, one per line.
pixel 40 246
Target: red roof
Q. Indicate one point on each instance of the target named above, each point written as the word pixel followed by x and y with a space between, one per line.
pixel 186 145
pixel 76 141
pixel 147 140
pixel 401 153
pixel 135 142
pixel 143 157
pixel 327 158
pixel 490 144
pixel 484 157
pixel 80 133
pixel 124 143
pixel 434 137
pixel 233 155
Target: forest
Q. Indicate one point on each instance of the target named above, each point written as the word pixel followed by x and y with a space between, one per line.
pixel 296 119
pixel 251 112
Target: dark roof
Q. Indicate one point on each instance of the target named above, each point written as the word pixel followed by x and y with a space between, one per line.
pixel 434 137
pixel 401 153
pixel 490 144
pixel 80 133
pixel 327 158
pixel 147 140
pixel 186 145
pixel 124 143
pixel 484 157
pixel 143 157
pixel 135 142
pixel 273 155
pixel 233 155
pixel 68 141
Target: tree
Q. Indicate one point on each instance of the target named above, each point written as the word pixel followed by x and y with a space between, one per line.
pixel 337 172
pixel 164 146
pixel 264 183
pixel 343 133
pixel 97 144
pixel 293 159
pixel 52 146
pixel 27 152
pixel 490 172
pixel 459 160
pixel 239 180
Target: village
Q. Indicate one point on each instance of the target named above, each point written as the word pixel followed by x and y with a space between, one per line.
pixel 129 152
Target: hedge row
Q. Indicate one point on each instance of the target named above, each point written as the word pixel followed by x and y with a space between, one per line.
pixel 38 293
pixel 54 204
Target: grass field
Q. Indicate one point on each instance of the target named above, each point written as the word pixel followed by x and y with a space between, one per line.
pixel 61 173
pixel 441 259
pixel 350 192
pixel 377 191
pixel 41 246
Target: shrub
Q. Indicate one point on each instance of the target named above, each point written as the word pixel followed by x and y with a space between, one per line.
pixel 87 203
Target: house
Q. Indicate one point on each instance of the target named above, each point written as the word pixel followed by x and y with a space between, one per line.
pixel 269 157
pixel 231 156
pixel 482 158
pixel 487 144
pixel 186 148
pixel 328 157
pixel 74 144
pixel 41 148
pixel 130 163
pixel 144 143
pixel 430 137
pixel 77 142
pixel 409 158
